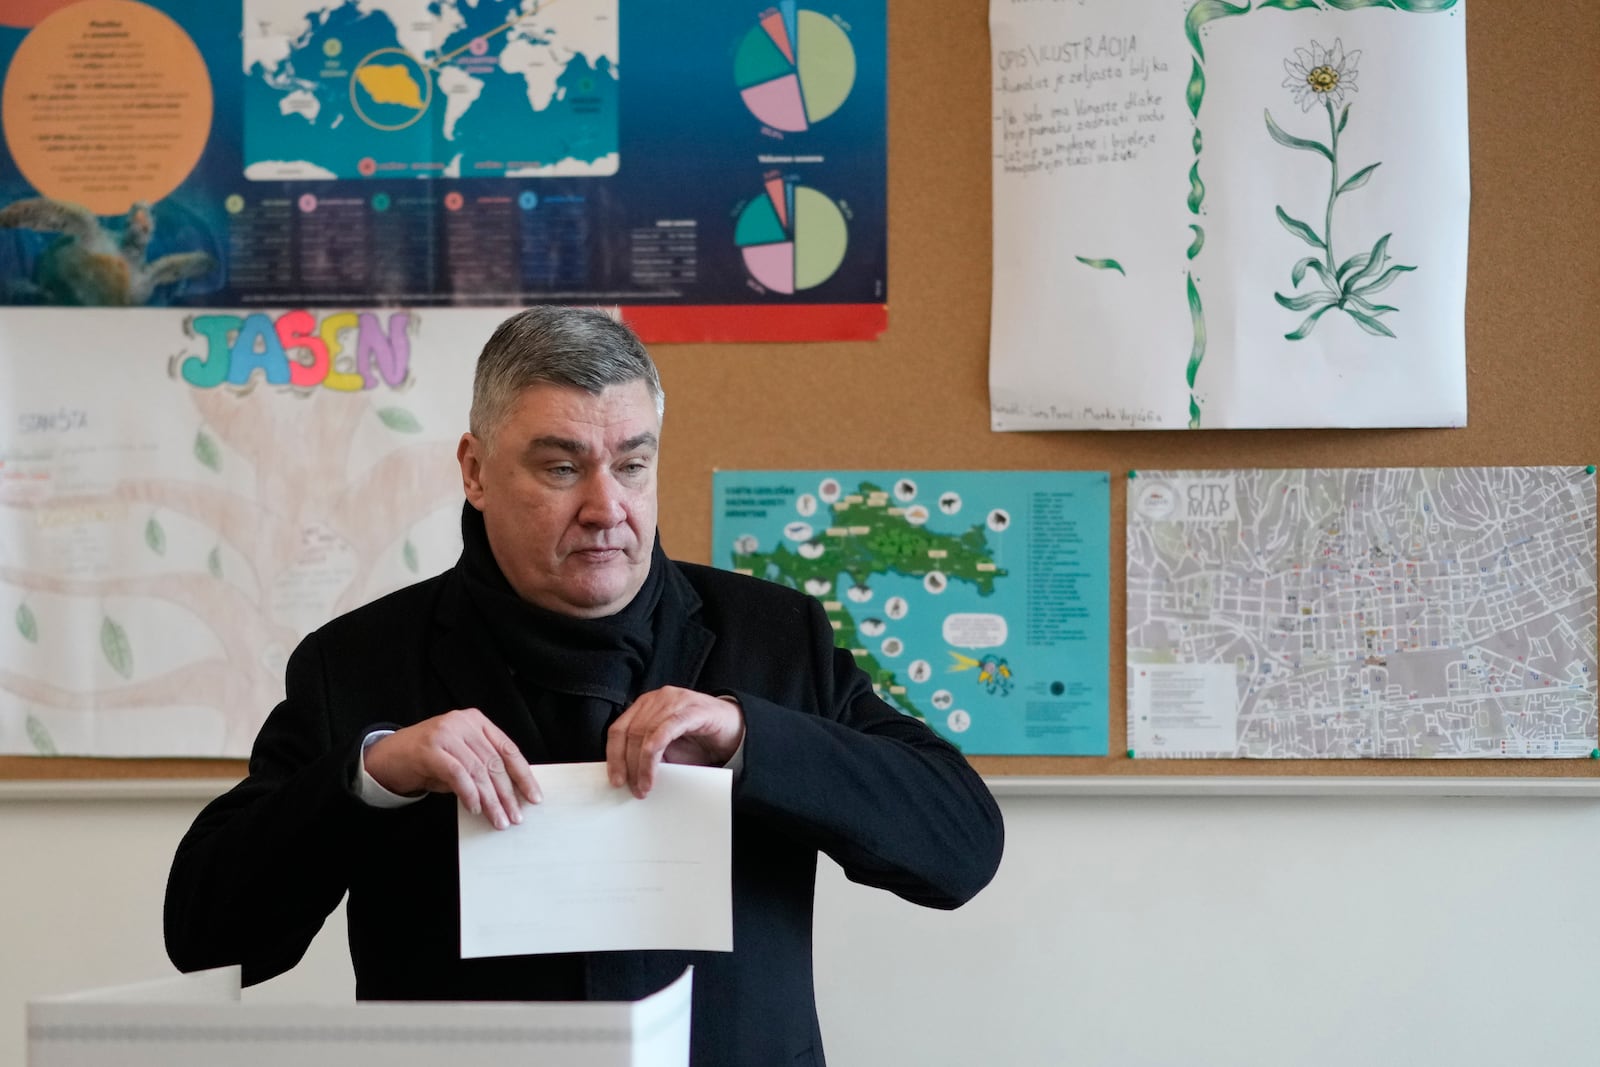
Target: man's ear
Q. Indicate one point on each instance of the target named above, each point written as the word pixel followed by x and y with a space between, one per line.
pixel 469 453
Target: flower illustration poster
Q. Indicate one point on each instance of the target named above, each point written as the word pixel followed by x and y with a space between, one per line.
pixel 1229 215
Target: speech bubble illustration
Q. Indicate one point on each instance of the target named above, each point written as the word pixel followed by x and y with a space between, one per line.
pixel 974 630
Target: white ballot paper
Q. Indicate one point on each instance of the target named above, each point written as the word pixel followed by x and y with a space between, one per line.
pixel 197 1020
pixel 594 869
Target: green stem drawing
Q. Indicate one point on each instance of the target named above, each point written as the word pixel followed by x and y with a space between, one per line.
pixel 1324 75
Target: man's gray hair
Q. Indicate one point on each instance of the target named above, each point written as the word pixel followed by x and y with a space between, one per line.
pixel 585 348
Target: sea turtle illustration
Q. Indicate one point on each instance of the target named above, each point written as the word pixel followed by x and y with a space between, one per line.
pixel 92 266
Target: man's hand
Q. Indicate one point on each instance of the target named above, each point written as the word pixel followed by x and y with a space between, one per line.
pixel 672 724
pixel 459 752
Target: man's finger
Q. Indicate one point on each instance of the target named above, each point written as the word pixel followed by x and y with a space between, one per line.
pixel 517 769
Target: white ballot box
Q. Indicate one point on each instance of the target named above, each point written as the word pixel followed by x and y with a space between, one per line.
pixel 197 1020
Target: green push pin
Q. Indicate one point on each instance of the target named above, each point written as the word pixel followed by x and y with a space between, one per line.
pixel 1590 468
pixel 1134 474
pixel 1595 754
pixel 1130 754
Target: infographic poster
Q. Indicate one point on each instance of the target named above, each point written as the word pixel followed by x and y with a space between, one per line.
pixel 1413 613
pixel 718 171
pixel 975 600
pixel 1213 215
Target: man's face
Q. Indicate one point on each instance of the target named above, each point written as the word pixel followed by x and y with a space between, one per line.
pixel 568 494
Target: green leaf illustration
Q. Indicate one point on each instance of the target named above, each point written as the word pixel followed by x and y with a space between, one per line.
pixel 1372 262
pixel 1298 273
pixel 399 420
pixel 1368 323
pixel 1383 281
pixel 1344 117
pixel 1306 327
pixel 1421 7
pixel 1306 300
pixel 1370 308
pixel 1288 5
pixel 1358 179
pixel 1356 263
pixel 1300 230
pixel 409 555
pixel 155 537
pixel 1102 264
pixel 43 744
pixel 1199 241
pixel 1204 12
pixel 214 562
pixel 1197 189
pixel 1196 90
pixel 1289 140
pixel 114 643
pixel 1198 318
pixel 206 451
pixel 27 625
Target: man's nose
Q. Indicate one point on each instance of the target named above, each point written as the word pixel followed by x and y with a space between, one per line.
pixel 602 502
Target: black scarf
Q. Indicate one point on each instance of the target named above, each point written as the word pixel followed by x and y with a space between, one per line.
pixel 577 675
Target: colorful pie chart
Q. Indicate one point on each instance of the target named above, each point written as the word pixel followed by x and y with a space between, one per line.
pixel 794 68
pixel 792 238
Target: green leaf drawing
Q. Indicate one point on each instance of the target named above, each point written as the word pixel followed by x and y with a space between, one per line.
pixel 1102 264
pixel 155 537
pixel 1300 230
pixel 1305 300
pixel 1297 275
pixel 214 562
pixel 1344 117
pixel 1370 308
pixel 1358 179
pixel 206 451
pixel 1196 90
pixel 1422 7
pixel 1288 5
pixel 1197 189
pixel 40 737
pixel 1356 263
pixel 1197 353
pixel 1204 12
pixel 1199 241
pixel 409 555
pixel 27 625
pixel 1368 323
pixel 1383 281
pixel 1371 262
pixel 399 420
pixel 114 643
pixel 1305 327
pixel 1290 141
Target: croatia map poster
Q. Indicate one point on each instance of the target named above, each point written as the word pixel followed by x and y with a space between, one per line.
pixel 1413 613
pixel 977 601
pixel 683 163
pixel 1218 215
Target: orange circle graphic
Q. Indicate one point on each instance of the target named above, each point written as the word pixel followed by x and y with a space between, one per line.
pixel 107 102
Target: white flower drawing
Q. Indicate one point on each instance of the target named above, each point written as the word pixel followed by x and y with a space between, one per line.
pixel 1322 74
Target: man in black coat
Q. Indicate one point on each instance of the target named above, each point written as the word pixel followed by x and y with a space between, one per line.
pixel 565 634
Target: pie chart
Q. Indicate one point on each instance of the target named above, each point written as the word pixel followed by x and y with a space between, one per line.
pixel 794 68
pixel 792 237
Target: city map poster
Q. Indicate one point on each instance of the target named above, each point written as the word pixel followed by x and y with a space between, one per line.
pixel 184 496
pixel 1211 215
pixel 1437 612
pixel 977 601
pixel 417 153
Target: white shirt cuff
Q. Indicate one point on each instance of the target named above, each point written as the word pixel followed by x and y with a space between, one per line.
pixel 368 791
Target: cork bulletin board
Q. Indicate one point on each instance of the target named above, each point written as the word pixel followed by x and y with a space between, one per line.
pixel 917 398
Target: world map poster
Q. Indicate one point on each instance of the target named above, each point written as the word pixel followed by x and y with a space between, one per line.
pixel 720 171
pixel 976 601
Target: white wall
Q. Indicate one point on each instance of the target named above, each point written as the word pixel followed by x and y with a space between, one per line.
pixel 1194 931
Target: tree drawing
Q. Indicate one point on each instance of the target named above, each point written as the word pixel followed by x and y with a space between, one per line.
pixel 1323 76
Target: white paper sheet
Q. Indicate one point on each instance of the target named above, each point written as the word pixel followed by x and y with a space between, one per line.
pixel 1176 184
pixel 196 1020
pixel 594 869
